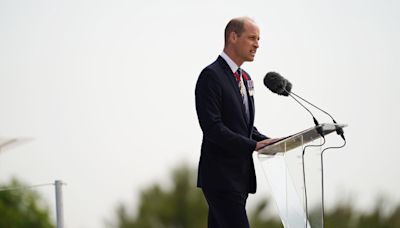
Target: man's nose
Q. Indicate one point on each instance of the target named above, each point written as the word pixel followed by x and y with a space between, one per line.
pixel 256 44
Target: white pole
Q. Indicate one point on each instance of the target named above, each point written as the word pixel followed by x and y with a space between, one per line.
pixel 59 204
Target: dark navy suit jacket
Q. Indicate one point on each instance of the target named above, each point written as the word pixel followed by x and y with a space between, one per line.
pixel 229 137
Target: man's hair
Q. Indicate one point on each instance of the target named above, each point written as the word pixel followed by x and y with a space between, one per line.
pixel 236 25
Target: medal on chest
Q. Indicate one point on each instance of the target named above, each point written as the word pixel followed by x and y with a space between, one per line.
pixel 250 87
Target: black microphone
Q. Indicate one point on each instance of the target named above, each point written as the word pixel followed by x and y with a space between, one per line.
pixel 279 85
pixel 276 83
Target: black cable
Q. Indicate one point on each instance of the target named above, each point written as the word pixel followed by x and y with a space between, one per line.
pixel 322 179
pixel 304 176
pixel 339 130
pixel 315 120
pixel 291 92
pixel 318 127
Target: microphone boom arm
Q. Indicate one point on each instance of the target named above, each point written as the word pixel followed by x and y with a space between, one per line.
pixel 339 130
pixel 319 128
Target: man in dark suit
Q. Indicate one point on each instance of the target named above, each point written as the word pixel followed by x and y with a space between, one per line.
pixel 225 109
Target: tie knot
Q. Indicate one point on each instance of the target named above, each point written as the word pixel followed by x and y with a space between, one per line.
pixel 238 74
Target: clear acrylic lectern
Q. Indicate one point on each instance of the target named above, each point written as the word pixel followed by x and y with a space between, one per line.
pixel 285 180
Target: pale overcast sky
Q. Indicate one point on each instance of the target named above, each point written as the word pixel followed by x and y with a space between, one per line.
pixel 106 90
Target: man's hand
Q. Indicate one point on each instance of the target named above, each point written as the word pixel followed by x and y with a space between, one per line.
pixel 265 142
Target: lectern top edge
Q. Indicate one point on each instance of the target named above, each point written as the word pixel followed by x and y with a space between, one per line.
pixel 300 138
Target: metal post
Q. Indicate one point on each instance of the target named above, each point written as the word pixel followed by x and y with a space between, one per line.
pixel 59 204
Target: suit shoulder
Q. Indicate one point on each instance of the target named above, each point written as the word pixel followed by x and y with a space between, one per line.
pixel 211 77
pixel 211 72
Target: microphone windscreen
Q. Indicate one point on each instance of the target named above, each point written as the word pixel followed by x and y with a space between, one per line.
pixel 275 82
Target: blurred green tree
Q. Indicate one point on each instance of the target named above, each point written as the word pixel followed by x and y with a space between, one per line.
pixel 22 208
pixel 378 219
pixel 342 215
pixel 183 206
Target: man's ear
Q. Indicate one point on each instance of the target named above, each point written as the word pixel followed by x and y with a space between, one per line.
pixel 233 37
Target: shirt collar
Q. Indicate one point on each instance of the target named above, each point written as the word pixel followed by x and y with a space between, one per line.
pixel 230 62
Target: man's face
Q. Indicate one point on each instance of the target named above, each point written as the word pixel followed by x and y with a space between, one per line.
pixel 247 43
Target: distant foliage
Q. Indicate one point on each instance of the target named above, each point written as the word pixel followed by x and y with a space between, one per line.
pixel 22 208
pixel 180 207
pixel 344 215
pixel 183 206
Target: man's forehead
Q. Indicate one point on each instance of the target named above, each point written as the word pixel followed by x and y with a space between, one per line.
pixel 251 28
pixel 250 25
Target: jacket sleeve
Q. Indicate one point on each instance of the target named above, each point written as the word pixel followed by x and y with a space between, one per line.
pixel 209 110
pixel 256 135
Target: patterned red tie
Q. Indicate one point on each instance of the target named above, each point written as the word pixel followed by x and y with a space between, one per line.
pixel 242 88
pixel 240 78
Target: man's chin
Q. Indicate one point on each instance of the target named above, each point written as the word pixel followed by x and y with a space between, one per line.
pixel 248 58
